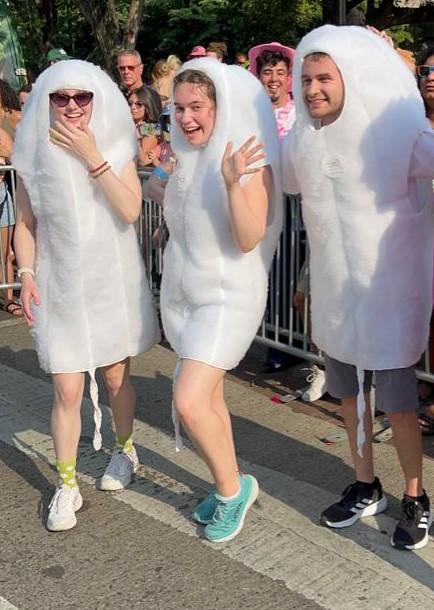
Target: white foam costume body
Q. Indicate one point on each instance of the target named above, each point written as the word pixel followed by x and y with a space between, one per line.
pixel 213 295
pixel 371 237
pixel 96 308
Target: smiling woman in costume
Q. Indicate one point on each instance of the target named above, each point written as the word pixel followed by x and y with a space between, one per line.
pixel 223 208
pixel 84 289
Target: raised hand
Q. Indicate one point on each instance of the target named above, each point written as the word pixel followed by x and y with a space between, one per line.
pixel 79 140
pixel 237 164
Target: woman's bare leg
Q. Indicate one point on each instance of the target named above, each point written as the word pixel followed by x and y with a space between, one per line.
pixel 122 397
pixel 66 414
pixel 196 389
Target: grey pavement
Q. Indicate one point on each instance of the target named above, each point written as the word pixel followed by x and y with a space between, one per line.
pixel 140 549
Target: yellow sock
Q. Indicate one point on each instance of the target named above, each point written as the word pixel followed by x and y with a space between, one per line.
pixel 124 443
pixel 66 472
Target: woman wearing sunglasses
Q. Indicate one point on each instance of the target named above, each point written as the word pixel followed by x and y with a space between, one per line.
pixel 84 290
pixel 146 109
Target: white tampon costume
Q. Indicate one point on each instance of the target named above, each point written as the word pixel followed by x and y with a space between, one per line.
pixel 213 295
pixel 96 308
pixel 371 238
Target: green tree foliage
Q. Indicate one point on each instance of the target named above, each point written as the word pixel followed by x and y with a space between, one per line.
pixel 94 29
pixel 43 24
pixel 175 26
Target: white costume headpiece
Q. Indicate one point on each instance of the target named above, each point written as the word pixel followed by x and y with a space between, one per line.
pixel 111 122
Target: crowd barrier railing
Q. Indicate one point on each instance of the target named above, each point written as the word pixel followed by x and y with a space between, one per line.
pixel 282 327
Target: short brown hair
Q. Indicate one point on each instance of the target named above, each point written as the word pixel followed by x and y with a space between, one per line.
pixel 317 56
pixel 199 78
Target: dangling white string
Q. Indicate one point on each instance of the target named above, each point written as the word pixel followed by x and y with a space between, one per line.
pixel 176 423
pixel 361 408
pixel 97 414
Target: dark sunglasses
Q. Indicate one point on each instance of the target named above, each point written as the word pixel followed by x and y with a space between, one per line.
pixel 139 104
pixel 81 99
pixel 130 68
pixel 424 71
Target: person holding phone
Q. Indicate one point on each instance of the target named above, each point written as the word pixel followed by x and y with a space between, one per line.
pixel 146 109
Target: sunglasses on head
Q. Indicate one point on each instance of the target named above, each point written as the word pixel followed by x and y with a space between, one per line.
pixel 424 71
pixel 62 99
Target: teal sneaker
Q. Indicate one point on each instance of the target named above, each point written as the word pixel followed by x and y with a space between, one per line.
pixel 228 519
pixel 205 510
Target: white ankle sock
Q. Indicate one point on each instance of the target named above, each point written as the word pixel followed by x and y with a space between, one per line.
pixel 228 498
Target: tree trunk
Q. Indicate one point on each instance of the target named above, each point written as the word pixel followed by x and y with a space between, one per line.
pixel 103 20
pixel 132 26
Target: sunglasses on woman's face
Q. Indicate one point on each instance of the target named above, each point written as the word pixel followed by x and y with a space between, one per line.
pixel 138 104
pixel 424 71
pixel 81 99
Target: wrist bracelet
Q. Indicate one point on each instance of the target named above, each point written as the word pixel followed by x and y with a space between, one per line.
pixel 103 171
pixel 160 173
pixel 96 169
pixel 22 270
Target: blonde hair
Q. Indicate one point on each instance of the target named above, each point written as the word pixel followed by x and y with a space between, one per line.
pixel 173 62
pixel 159 70
pixel 164 67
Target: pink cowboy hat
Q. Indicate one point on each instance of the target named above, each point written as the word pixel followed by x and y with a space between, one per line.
pixel 271 46
pixel 197 51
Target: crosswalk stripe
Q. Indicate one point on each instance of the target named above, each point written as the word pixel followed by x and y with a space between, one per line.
pixel 282 539
pixel 5 605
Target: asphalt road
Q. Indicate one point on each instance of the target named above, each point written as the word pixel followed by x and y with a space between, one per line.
pixel 140 549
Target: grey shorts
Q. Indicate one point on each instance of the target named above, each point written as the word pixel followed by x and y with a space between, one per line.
pixel 395 389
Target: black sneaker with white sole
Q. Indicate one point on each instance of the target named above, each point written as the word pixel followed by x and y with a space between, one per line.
pixel 358 500
pixel 412 529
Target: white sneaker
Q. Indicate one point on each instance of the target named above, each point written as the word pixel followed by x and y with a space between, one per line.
pixel 120 470
pixel 63 506
pixel 317 387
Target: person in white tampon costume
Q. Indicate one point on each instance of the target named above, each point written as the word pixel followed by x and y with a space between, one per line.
pixel 84 288
pixel 362 157
pixel 223 208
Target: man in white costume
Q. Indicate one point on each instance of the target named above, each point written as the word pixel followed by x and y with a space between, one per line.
pixel 84 289
pixel 361 156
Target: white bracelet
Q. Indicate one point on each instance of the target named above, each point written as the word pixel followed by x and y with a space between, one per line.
pixel 22 270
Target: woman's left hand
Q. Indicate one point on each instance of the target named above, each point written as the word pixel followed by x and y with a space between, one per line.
pixel 79 140
pixel 237 164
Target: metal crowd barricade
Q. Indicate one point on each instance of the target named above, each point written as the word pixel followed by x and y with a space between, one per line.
pixel 282 327
pixel 8 174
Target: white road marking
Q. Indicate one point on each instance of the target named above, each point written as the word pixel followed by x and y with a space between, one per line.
pixel 282 539
pixel 5 605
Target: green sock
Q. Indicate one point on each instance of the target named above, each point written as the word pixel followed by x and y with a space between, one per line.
pixel 124 443
pixel 66 472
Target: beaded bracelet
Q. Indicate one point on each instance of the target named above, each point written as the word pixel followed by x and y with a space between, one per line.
pixel 103 171
pixel 97 169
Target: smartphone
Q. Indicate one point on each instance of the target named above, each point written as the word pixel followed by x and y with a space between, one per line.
pixel 149 129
